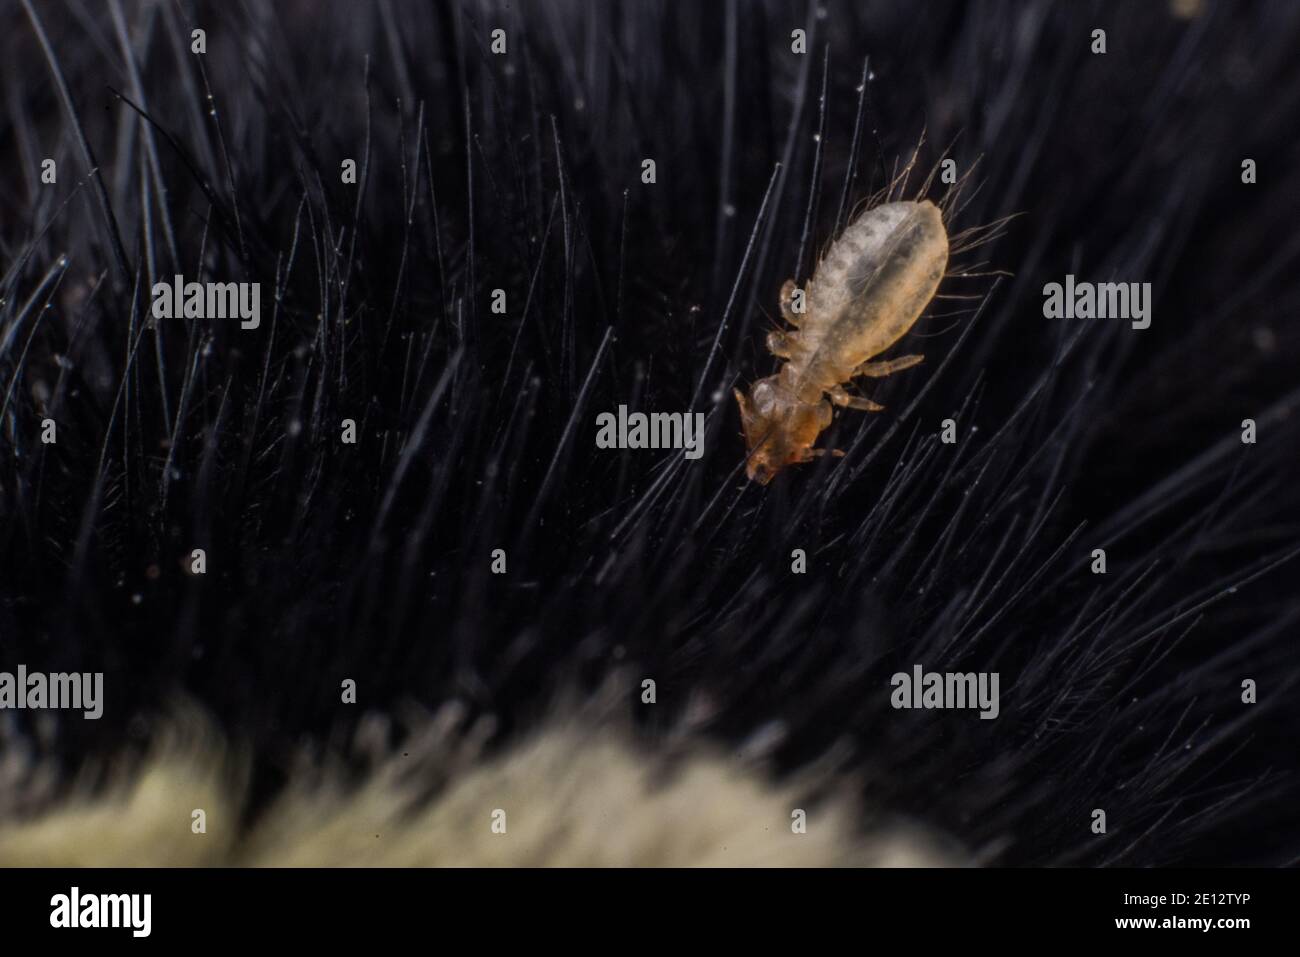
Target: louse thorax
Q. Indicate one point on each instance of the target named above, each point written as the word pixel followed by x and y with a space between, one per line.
pixel 870 288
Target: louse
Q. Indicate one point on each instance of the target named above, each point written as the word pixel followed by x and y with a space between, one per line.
pixel 865 294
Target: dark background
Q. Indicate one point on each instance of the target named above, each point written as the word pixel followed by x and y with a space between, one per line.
pixel 476 431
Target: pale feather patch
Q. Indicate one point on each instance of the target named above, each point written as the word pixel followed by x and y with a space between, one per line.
pixel 573 796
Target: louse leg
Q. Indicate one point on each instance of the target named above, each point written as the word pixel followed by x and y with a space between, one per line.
pixel 787 311
pixel 780 344
pixel 877 370
pixel 843 399
pixel 811 455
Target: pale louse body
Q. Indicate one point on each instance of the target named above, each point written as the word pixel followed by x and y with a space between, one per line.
pixel 866 293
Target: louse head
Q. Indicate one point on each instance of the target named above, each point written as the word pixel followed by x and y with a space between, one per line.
pixel 779 429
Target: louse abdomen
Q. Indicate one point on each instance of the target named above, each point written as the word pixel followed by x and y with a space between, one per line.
pixel 872 286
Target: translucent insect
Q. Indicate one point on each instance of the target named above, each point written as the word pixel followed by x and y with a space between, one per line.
pixel 866 293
